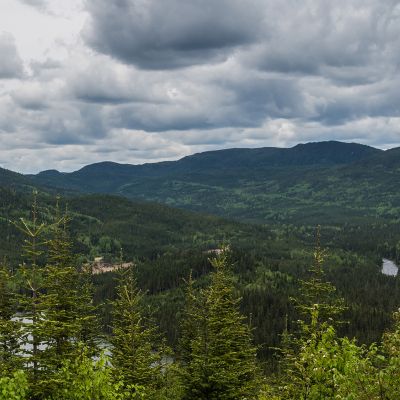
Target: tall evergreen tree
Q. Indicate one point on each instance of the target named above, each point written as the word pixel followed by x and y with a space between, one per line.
pixel 66 310
pixel 311 357
pixel 136 352
pixel 220 359
pixel 56 304
pixel 31 287
pixel 188 323
pixel 318 302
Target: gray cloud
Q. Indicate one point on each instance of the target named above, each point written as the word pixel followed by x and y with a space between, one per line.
pixel 35 3
pixel 147 80
pixel 10 61
pixel 321 37
pixel 172 33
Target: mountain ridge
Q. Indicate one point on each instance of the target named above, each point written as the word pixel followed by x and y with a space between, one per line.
pixel 309 182
pixel 273 152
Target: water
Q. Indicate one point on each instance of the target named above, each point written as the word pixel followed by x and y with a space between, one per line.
pixel 389 267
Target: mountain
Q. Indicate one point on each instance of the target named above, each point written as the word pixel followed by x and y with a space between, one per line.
pixel 291 189
pixel 112 177
pixel 314 182
pixel 13 179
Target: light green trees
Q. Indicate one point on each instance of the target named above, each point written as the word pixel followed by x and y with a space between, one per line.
pixel 86 379
pixel 375 375
pixel 14 387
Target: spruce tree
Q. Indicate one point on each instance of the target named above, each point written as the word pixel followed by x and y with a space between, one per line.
pixel 188 323
pixel 318 303
pixel 30 273
pixel 56 304
pixel 136 354
pixel 312 356
pixel 66 310
pixel 220 361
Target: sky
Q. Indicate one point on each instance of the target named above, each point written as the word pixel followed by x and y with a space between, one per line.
pixel 137 81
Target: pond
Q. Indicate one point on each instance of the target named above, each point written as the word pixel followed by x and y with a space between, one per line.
pixel 389 268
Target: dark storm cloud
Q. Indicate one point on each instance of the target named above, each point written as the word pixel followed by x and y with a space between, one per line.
pixel 344 44
pixel 167 34
pixel 10 62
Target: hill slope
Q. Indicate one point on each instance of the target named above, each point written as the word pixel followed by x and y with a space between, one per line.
pixel 111 177
pixel 314 180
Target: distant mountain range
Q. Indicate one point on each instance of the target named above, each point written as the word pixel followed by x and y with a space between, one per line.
pixel 113 177
pixel 311 182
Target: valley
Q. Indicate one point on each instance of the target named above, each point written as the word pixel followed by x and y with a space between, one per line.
pixel 166 218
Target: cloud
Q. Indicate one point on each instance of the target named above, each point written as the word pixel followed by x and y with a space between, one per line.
pixel 171 34
pixel 41 4
pixel 10 62
pixel 146 80
pixel 336 40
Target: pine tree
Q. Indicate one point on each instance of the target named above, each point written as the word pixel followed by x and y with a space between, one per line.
pixel 318 298
pixel 136 353
pixel 66 310
pixel 66 278
pixel 31 281
pixel 56 304
pixel 221 359
pixel 311 357
pixel 188 323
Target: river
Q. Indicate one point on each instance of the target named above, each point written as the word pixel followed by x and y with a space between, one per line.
pixel 389 267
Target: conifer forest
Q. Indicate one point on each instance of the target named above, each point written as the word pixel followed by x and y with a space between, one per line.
pixel 103 297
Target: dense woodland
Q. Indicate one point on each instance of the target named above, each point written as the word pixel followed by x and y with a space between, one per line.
pixel 51 346
pixel 277 315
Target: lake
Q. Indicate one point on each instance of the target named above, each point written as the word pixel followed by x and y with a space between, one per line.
pixel 389 267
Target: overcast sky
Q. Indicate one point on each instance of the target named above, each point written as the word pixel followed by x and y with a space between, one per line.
pixel 138 81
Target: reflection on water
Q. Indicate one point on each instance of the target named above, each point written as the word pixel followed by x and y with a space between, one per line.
pixel 389 267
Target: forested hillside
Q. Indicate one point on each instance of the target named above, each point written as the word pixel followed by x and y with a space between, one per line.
pixel 351 193
pixel 51 343
pixel 329 181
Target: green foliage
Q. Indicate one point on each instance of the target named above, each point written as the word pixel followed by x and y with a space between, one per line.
pixel 14 387
pixel 310 183
pixel 10 328
pixel 317 303
pixel 391 350
pixel 219 359
pixel 361 215
pixel 31 288
pixel 84 379
pixel 320 366
pixel 136 353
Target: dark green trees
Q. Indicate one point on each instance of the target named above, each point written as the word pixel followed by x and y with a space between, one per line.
pixel 314 356
pixel 219 359
pixel 54 305
pixel 136 354
pixel 318 302
pixel 10 328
